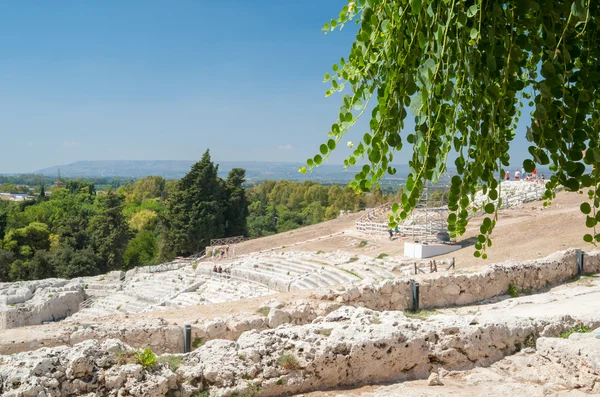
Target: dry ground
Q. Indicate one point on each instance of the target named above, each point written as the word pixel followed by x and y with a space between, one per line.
pixel 527 232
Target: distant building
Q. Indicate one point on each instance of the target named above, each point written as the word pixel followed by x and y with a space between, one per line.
pixel 16 197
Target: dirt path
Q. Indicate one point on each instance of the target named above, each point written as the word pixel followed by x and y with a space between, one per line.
pixel 528 232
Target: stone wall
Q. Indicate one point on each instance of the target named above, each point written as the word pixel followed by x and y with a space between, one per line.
pixel 449 289
pixel 350 346
pixel 56 307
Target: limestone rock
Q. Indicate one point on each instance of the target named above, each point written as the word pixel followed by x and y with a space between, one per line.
pixel 277 317
pixel 434 380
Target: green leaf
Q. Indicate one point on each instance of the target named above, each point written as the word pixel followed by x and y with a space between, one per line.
pixel 410 183
pixel 310 162
pixel 331 144
pixel 474 33
pixel 528 165
pixel 323 149
pixel 472 11
pixel 395 207
pixel 585 208
pixel 415 105
pixel 540 112
pixel 415 6
pixel 588 238
pixel 422 41
pixel 578 9
pixel 489 208
pixel 318 159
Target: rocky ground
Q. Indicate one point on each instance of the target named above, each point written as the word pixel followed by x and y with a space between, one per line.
pixel 350 346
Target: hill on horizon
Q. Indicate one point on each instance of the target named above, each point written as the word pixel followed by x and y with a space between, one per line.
pixel 171 169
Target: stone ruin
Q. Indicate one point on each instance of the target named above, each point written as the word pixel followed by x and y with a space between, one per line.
pixel 345 335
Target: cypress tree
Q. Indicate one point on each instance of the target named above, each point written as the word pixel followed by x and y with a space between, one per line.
pixel 195 212
pixel 236 204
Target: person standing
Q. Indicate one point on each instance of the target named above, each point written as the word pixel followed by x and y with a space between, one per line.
pixel 507 176
pixel 534 174
pixel 517 174
pixel 523 173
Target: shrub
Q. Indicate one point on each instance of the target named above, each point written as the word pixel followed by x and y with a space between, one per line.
pixel 579 328
pixel 119 307
pixel 353 259
pixel 202 394
pixel 146 358
pixel 319 252
pixel 420 314
pixel 197 342
pixel 195 266
pixel 512 290
pixel 383 255
pixel 280 382
pixel 125 357
pixel 264 311
pixel 363 243
pixel 174 362
pixel 288 361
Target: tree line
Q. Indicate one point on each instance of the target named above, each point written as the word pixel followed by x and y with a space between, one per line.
pixel 78 231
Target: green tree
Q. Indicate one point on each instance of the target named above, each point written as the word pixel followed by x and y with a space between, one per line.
pixel 42 197
pixel 141 250
pixel 109 232
pixel 236 204
pixel 25 241
pixel 464 70
pixel 195 210
pixel 6 259
pixel 70 263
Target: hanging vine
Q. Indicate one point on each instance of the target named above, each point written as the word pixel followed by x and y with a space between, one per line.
pixel 464 69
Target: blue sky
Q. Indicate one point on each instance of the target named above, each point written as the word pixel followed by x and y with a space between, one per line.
pixel 164 80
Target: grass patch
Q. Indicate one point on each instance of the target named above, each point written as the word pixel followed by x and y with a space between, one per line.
pixel 512 290
pixel 280 382
pixel 119 307
pixel 201 394
pixel 351 272
pixel 420 314
pixel 529 341
pixel 50 295
pixel 146 358
pixel 123 357
pixel 353 259
pixel 319 252
pixel 363 244
pixel 197 342
pixel 269 265
pixel 288 361
pixel 382 255
pixel 325 331
pixel 173 362
pixel 264 311
pixel 579 328
pixel 195 266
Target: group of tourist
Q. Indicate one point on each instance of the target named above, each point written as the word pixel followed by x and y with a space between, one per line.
pixel 524 176
pixel 391 232
pixel 220 270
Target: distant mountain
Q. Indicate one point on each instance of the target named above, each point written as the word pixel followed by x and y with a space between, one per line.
pixel 255 170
